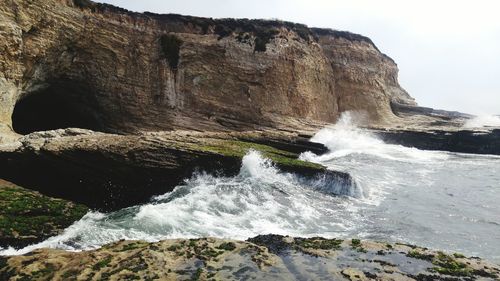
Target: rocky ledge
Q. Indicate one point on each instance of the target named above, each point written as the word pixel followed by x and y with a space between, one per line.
pixel 27 216
pixel 431 129
pixel 464 141
pixel 267 257
pixel 153 86
pixel 107 172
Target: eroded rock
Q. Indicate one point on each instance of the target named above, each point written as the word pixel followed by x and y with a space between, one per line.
pixel 100 67
pixel 262 258
pixel 27 216
pixel 108 172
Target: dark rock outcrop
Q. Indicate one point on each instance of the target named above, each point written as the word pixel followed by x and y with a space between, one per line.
pixel 107 171
pixel 404 110
pixel 27 217
pixel 235 85
pixel 465 141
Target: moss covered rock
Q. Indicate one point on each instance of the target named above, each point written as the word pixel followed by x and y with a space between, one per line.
pixel 238 148
pixel 27 217
pixel 109 172
pixel 265 257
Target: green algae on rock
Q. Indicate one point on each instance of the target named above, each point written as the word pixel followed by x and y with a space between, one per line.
pixel 27 216
pixel 108 172
pixel 265 257
pixel 238 148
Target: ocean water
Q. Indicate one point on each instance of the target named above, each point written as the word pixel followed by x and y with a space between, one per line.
pixel 442 200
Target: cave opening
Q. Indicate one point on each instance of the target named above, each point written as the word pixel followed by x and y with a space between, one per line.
pixel 63 104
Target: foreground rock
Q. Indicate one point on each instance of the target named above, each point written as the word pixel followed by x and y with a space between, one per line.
pixel 269 257
pixel 108 172
pixel 27 217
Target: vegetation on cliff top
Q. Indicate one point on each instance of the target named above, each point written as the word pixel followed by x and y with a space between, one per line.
pixel 171 46
pixel 262 38
pixel 262 30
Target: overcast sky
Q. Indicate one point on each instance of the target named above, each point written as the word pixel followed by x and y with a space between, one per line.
pixel 448 51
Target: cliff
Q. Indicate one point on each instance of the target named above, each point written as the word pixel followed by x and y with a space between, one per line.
pixel 80 64
pixel 167 95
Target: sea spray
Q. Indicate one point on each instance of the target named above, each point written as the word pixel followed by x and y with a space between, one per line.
pixel 440 200
pixel 482 121
pixel 259 200
pixel 345 138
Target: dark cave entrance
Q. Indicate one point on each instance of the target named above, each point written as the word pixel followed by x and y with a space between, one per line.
pixel 62 105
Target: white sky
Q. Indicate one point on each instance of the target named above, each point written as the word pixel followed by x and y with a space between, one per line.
pixel 448 51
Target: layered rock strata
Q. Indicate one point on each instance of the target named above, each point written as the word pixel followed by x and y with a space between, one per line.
pixel 107 172
pixel 80 64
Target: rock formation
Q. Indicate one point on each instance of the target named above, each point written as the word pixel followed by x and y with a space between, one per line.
pixel 107 107
pixel 68 63
pixel 81 64
pixel 107 172
pixel 268 257
pixel 27 216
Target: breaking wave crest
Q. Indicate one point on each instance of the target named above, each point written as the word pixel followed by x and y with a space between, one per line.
pixel 345 139
pixel 482 121
pixel 393 193
pixel 259 200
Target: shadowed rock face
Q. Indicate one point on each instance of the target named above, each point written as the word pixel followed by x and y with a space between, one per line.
pixel 27 217
pixel 108 172
pixel 464 141
pixel 58 106
pixel 130 72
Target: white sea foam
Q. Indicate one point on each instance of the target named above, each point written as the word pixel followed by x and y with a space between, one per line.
pixel 351 147
pixel 345 138
pixel 406 195
pixel 482 121
pixel 260 200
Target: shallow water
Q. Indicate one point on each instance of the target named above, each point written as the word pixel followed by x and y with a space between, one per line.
pixel 440 200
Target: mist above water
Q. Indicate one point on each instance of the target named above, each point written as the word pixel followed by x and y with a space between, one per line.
pixel 346 139
pixel 482 121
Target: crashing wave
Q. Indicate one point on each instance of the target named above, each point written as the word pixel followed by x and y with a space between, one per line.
pixel 482 121
pixel 259 200
pixel 345 138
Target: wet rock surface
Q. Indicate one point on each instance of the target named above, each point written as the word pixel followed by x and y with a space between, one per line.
pixel 465 141
pixel 27 216
pixel 101 68
pixel 267 257
pixel 108 172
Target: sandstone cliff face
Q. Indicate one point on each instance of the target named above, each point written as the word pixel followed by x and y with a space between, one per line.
pixel 100 67
pixel 366 80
